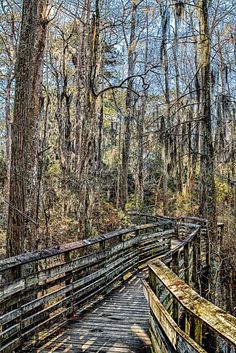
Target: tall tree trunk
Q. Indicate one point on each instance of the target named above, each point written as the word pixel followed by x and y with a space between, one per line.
pixel 140 130
pixel 140 181
pixel 129 109
pixel 179 158
pixel 207 184
pixel 81 60
pixel 23 208
pixel 8 137
pixel 166 119
pixel 233 171
pixel 82 126
pixel 207 187
pixel 118 196
pixel 88 171
pixel 195 142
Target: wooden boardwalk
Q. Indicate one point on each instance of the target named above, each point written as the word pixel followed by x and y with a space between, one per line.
pixel 118 324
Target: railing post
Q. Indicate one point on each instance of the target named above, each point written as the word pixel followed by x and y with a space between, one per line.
pixel 199 249
pixel 196 260
pixel 120 238
pixel 152 281
pixel 187 263
pixel 187 323
pixel 175 262
pixel 199 262
pixel 198 331
pixel 137 246
pixel 175 226
pixel 175 268
pixel 168 227
pixel 102 245
pixel 207 244
pixel 68 282
pixel 206 264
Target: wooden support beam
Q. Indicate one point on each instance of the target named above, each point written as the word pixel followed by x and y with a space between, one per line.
pixel 187 263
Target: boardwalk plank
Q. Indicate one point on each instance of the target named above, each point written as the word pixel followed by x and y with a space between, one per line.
pixel 118 324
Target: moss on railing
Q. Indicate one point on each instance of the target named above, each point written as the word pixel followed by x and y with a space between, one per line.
pixel 180 312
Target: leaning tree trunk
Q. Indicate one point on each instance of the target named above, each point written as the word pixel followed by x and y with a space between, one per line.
pixel 23 208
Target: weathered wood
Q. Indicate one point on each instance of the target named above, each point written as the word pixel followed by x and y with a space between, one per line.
pixel 187 263
pixel 58 282
pixel 175 337
pixel 168 255
pixel 11 262
pixel 198 331
pixel 119 323
pixel 60 269
pixel 180 303
pixel 212 317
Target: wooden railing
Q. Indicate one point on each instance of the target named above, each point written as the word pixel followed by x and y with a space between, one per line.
pixel 144 218
pixel 51 285
pixel 180 319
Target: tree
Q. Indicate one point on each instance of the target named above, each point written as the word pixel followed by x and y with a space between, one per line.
pixel 137 110
pixel 207 184
pixel 129 108
pixel 23 199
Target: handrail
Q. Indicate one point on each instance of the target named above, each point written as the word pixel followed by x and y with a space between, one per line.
pixel 54 283
pixel 175 336
pixel 180 318
pixel 161 217
pixel 25 258
pixel 207 313
pixel 51 285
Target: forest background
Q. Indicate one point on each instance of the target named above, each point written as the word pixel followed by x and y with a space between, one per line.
pixel 135 109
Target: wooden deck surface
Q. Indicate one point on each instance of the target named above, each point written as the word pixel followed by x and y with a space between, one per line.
pixel 118 324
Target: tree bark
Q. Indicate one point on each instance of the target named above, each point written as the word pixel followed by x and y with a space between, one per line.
pixel 207 183
pixel 140 131
pixel 129 110
pixel 207 187
pixel 23 208
pixel 88 162
pixel 166 118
